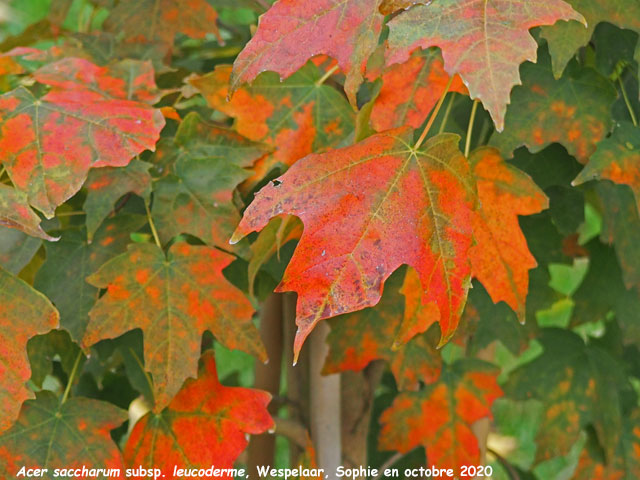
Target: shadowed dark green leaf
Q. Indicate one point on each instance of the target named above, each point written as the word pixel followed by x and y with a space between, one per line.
pixel 52 435
pixel 574 111
pixel 106 185
pixel 578 385
pixel 206 163
pixel 565 38
pixel 71 260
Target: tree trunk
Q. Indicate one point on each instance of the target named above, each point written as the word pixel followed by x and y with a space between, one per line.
pixel 297 376
pixel 262 448
pixel 325 405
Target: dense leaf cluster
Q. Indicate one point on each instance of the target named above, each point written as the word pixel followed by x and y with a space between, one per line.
pixel 454 185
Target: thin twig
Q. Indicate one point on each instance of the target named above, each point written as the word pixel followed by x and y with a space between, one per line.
pixel 293 430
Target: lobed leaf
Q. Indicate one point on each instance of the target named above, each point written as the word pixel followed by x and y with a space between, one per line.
pixel 617 158
pixel 205 424
pixel 500 258
pixel 54 435
pixel 49 144
pixel 106 185
pixel 366 210
pixel 440 416
pixel 293 31
pixel 24 312
pixel 565 39
pixel 126 80
pixel 160 20
pixel 173 299
pixel 206 163
pixel 62 276
pixel 484 41
pixel 574 111
pixel 295 117
pixel 15 212
pixel 578 385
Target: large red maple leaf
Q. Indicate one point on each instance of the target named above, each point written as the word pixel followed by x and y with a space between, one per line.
pixel 366 210
pixel 204 425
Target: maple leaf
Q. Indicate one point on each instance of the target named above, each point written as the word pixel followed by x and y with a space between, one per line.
pixel 500 258
pixel 411 89
pixel 295 117
pixel 48 144
pixel 617 158
pixel 626 463
pixel 574 111
pixel 69 261
pixel 293 31
pixel 50 434
pixel 205 424
pixel 108 184
pixel 366 210
pixel 15 212
pixel 126 80
pixel 160 20
pixel 44 350
pixel 603 290
pixel 205 164
pixel 485 322
pixel 173 299
pixel 440 416
pixel 361 337
pixel 621 228
pixel 417 316
pixel 484 41
pixel 565 39
pixel 578 384
pixel 25 313
pixel 16 249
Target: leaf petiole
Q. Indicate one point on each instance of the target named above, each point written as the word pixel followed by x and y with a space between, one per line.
pixel 627 102
pixel 144 372
pixel 434 114
pixel 324 78
pixel 156 238
pixel 72 375
pixel 447 112
pixel 472 117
